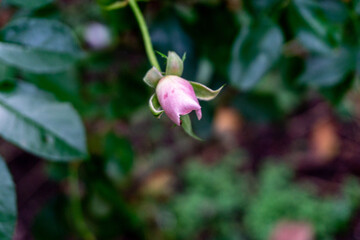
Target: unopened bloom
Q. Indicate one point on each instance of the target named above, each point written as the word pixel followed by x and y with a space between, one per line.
pixel 177 97
pixel 174 95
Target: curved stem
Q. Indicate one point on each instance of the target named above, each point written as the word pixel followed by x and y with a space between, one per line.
pixel 145 33
pixel 75 204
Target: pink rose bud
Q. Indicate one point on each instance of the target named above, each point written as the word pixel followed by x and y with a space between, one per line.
pixel 177 97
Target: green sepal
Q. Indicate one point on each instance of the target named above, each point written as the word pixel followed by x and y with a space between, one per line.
pixel 204 93
pixel 186 125
pixel 155 107
pixel 174 66
pixel 152 77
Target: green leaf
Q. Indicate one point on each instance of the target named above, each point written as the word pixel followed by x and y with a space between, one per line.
pixel 328 70
pixel 63 85
pixel 255 51
pixel 357 6
pixel 186 125
pixel 29 3
pixel 7 203
pixel 204 93
pixel 313 43
pixel 36 122
pixel 265 5
pixel 155 107
pixel 39 45
pixel 309 11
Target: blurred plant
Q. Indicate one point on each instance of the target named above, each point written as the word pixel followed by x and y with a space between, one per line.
pixel 278 199
pixel 214 196
pixel 271 52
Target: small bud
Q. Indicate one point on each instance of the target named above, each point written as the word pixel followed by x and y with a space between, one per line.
pixel 175 65
pixel 152 77
pixel 177 97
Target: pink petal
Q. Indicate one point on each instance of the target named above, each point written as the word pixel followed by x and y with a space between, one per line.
pixel 177 97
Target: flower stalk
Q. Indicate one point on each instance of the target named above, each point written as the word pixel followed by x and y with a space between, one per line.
pixel 145 33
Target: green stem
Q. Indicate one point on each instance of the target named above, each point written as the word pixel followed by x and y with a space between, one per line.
pixel 145 33
pixel 75 204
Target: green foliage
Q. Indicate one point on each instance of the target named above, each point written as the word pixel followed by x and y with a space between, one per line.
pixel 256 50
pixel 271 54
pixel 278 199
pixel 214 195
pixel 120 157
pixel 29 3
pixel 218 194
pixel 36 122
pixel 7 203
pixel 38 45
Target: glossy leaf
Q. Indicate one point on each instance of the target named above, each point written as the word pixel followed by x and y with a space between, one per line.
pixel 313 43
pixel 186 125
pixel 36 122
pixel 7 203
pixel 204 93
pixel 29 3
pixel 39 45
pixel 328 70
pixel 309 12
pixel 255 51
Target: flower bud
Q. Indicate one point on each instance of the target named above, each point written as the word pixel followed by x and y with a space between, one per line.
pixel 177 97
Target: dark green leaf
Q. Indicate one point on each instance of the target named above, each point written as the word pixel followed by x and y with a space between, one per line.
pixel 262 5
pixel 64 85
pixel 34 121
pixel 328 70
pixel 357 6
pixel 29 3
pixel 310 12
pixel 39 45
pixel 255 51
pixel 313 43
pixel 7 203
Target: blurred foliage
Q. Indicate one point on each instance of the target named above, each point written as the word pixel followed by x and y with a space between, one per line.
pixel 215 195
pixel 272 54
pixel 278 199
